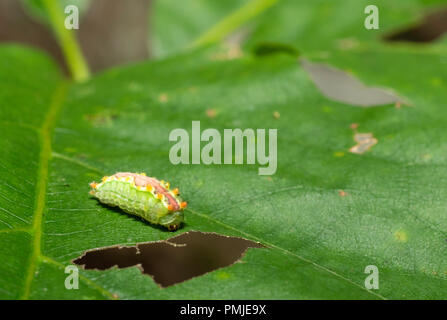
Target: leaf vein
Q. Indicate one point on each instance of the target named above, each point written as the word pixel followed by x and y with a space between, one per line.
pixel 41 186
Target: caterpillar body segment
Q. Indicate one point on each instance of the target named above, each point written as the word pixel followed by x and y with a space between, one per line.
pixel 142 196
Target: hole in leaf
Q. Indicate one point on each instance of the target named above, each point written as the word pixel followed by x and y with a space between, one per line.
pixel 340 86
pixel 433 26
pixel 174 260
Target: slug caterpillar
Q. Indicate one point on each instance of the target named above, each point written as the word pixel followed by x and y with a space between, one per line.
pixel 143 196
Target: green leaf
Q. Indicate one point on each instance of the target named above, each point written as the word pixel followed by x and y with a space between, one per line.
pixel 59 136
pixel 312 26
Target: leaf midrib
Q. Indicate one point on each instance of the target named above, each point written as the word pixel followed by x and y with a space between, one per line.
pixel 44 134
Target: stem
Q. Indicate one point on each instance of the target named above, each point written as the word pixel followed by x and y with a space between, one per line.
pixel 219 31
pixel 73 55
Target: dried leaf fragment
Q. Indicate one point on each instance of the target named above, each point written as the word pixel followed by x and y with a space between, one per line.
pixel 340 86
pixel 365 141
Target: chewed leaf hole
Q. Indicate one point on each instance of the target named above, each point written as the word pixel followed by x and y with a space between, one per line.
pixel 174 260
pixel 431 28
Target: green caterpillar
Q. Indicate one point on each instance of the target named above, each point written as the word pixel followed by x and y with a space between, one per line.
pixel 142 196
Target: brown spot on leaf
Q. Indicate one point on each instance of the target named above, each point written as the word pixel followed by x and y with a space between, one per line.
pixel 347 43
pixel 163 98
pixel 211 113
pixel 365 141
pixel 103 118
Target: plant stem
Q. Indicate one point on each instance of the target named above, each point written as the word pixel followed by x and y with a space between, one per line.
pixel 233 21
pixel 73 55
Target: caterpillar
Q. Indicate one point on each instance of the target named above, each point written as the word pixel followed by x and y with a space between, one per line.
pixel 143 196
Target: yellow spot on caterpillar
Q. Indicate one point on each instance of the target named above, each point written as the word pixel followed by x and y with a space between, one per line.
pixel 175 191
pixel 93 185
pixel 183 204
pixel 170 207
pixel 401 236
pixel 160 196
pixel 167 185
pixel 104 179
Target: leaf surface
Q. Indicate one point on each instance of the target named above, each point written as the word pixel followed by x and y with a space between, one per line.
pixel 59 136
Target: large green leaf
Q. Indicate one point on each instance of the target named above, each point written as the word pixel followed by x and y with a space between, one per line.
pixel 59 136
pixel 314 26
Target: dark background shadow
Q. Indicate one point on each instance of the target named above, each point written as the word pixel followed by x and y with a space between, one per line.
pixel 111 32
